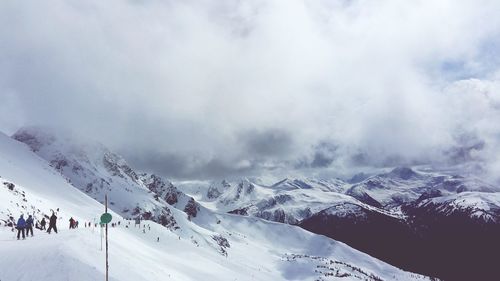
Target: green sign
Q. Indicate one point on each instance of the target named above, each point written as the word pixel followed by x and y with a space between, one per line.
pixel 106 218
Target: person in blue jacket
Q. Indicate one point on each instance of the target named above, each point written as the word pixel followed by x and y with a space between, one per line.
pixel 21 225
pixel 29 226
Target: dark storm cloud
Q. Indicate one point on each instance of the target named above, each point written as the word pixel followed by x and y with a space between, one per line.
pixel 323 155
pixel 323 158
pixel 184 166
pixel 162 164
pixel 204 88
pixel 270 142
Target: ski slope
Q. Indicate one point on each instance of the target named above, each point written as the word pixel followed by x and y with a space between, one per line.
pixel 76 255
pixel 211 246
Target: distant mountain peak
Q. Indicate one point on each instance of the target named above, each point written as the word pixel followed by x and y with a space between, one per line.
pixel 404 173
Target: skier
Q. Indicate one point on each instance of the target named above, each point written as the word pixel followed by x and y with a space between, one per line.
pixel 71 223
pixel 21 225
pixel 42 224
pixel 29 226
pixel 52 223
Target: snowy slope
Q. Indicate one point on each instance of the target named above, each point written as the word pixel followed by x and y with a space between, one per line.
pixel 426 221
pixel 404 185
pixel 330 185
pixel 295 199
pixel 479 205
pixel 37 187
pixel 96 170
pixel 209 247
pixel 289 200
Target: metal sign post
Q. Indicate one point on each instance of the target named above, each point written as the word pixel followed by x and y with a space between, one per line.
pixel 105 219
pixel 106 211
pixel 100 229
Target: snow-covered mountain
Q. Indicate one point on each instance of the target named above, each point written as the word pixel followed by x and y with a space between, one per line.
pixel 96 170
pixel 479 205
pixel 397 215
pixel 293 200
pixel 403 185
pixel 327 185
pixel 208 246
pixel 404 207
pixel 286 201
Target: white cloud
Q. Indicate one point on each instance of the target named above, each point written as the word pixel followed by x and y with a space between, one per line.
pixel 183 81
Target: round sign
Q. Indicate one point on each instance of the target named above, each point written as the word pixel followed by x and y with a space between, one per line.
pixel 106 218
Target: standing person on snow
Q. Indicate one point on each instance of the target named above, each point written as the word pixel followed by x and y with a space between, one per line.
pixel 52 223
pixel 71 223
pixel 42 224
pixel 29 226
pixel 21 224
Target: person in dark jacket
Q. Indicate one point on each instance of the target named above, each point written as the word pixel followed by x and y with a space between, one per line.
pixel 52 223
pixel 71 223
pixel 29 226
pixel 21 225
pixel 42 224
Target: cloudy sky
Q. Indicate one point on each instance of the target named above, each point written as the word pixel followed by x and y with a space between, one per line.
pixel 196 89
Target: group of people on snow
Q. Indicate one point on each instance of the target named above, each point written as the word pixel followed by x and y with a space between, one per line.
pixel 73 223
pixel 25 226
